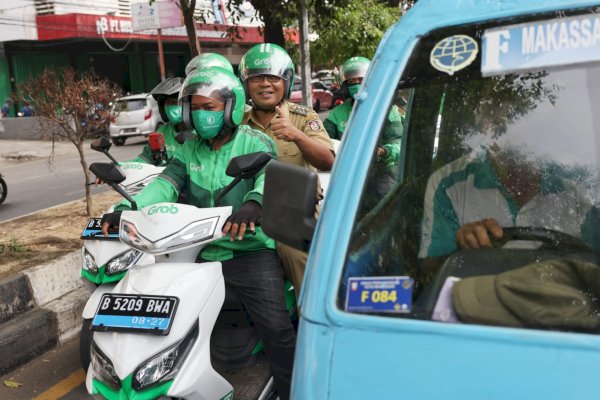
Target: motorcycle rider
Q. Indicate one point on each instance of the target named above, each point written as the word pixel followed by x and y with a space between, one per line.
pixel 174 133
pixel 352 74
pixel 267 73
pixel 213 104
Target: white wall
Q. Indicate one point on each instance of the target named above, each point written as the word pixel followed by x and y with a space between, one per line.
pixel 17 17
pixel 17 20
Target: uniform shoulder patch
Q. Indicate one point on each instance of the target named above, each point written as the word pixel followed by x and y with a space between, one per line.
pixel 314 125
pixel 299 109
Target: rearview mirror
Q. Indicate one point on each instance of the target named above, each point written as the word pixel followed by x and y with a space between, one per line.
pixel 247 165
pixel 102 144
pixel 112 175
pixel 108 173
pixel 288 206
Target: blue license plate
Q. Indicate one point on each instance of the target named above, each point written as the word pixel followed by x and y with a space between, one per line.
pixel 93 231
pixel 391 294
pixel 135 313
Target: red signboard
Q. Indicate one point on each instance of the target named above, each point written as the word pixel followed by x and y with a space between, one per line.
pixel 52 27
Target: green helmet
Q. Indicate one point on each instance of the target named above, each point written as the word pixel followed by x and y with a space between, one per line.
pixel 268 59
pixel 206 60
pixel 355 67
pixel 218 84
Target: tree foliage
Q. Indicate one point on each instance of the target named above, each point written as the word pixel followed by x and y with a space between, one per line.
pixel 71 104
pixel 354 30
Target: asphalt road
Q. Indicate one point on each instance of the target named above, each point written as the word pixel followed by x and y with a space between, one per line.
pixel 35 185
pixel 54 375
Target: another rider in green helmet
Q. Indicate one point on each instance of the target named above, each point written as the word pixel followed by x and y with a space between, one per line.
pixel 352 74
pixel 213 102
pixel 174 133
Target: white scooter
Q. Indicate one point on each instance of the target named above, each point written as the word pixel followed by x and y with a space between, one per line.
pixel 152 334
pixel 106 260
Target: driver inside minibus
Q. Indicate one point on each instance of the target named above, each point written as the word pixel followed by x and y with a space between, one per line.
pixel 470 201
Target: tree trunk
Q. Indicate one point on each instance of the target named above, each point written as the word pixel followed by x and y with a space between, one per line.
pixel 88 196
pixel 187 10
pixel 273 30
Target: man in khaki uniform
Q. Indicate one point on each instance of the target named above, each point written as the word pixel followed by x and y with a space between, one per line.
pixel 267 73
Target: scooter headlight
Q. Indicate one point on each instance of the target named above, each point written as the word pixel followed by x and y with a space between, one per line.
pixel 103 368
pixel 88 261
pixel 129 235
pixel 193 233
pixel 123 261
pixel 165 365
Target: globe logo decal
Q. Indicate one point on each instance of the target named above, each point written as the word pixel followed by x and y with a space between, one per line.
pixel 453 53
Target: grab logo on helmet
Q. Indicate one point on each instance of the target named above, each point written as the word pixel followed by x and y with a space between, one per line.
pixel 263 62
pixel 206 74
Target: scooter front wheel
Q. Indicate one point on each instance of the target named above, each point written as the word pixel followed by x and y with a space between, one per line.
pixel 3 190
pixel 85 344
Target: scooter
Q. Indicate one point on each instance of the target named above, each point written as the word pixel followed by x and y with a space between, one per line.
pixel 105 260
pixel 3 189
pixel 153 332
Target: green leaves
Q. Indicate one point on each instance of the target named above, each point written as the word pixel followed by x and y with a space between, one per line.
pixel 353 30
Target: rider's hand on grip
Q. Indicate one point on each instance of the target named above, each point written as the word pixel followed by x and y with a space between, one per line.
pixel 110 220
pixel 246 218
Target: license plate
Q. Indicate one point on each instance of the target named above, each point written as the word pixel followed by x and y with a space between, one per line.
pixel 135 313
pixel 129 130
pixel 379 294
pixel 92 231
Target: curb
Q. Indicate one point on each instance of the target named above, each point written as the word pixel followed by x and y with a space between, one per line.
pixel 39 309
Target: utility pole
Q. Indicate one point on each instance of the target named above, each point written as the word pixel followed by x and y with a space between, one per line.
pixel 305 52
pixel 161 55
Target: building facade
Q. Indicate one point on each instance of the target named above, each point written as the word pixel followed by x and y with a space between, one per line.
pixel 97 36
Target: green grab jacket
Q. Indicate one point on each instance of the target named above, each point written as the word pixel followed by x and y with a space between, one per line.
pixel 199 170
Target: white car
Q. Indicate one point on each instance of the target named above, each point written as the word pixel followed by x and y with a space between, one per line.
pixel 135 115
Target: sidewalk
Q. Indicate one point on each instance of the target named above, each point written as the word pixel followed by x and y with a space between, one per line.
pixel 13 151
pixel 41 306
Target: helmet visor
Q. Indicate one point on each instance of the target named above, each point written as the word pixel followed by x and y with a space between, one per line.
pixel 274 63
pixel 213 90
pixel 358 72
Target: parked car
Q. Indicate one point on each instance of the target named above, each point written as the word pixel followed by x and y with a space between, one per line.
pixel 325 74
pixel 135 115
pixel 321 97
pixel 330 83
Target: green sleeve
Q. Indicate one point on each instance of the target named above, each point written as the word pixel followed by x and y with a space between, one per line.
pixel 266 144
pixel 390 141
pixel 331 129
pixel 165 188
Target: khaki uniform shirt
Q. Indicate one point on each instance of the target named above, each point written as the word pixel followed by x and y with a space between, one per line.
pixel 303 118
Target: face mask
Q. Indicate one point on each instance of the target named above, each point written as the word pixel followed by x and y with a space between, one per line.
pixel 174 113
pixel 353 89
pixel 208 124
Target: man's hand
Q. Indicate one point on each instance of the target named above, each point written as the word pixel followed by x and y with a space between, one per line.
pixel 283 129
pixel 380 152
pixel 246 218
pixel 477 234
pixel 110 220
